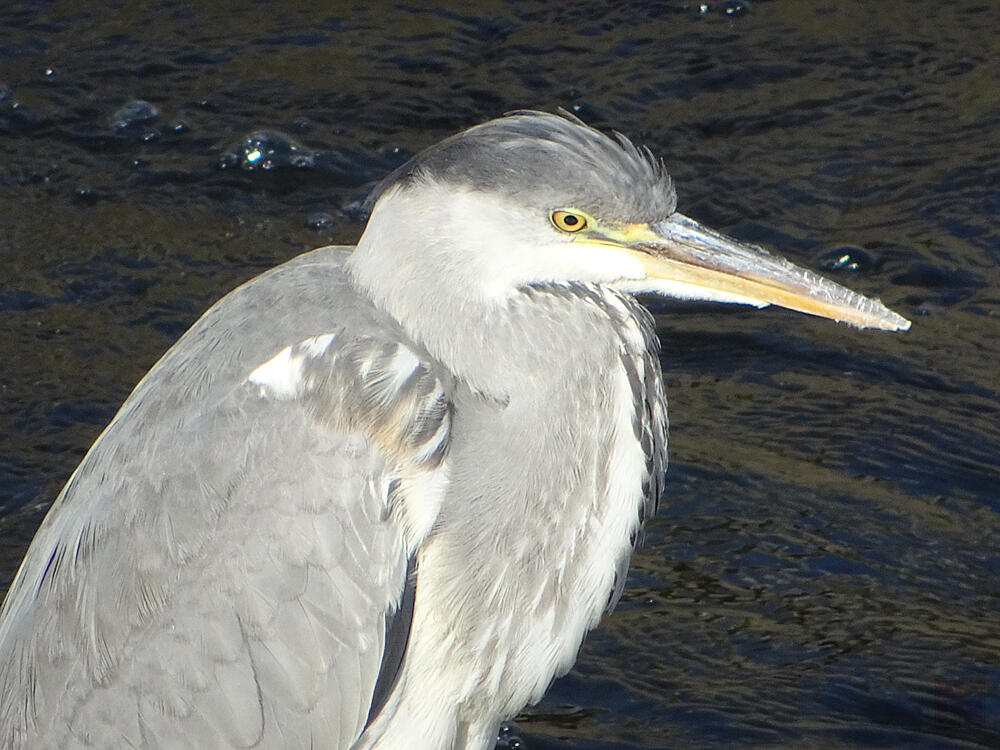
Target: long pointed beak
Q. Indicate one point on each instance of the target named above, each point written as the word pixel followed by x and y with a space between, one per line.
pixel 685 259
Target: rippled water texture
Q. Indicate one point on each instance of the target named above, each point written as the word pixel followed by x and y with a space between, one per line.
pixel 824 573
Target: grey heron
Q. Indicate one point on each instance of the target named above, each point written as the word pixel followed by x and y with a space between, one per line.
pixel 376 496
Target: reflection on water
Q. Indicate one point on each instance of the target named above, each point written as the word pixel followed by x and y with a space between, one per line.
pixel 824 573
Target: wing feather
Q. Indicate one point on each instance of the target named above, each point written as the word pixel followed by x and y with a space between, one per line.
pixel 219 570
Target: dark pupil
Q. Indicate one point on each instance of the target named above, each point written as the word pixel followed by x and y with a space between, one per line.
pixel 570 221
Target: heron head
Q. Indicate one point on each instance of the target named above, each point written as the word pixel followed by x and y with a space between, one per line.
pixel 536 198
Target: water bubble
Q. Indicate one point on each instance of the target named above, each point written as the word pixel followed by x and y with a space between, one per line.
pixel 133 115
pixel 508 738
pixel 88 194
pixel 356 210
pixel 267 150
pixel 319 220
pixel 732 8
pixel 846 259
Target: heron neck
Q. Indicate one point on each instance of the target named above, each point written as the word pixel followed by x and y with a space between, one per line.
pixel 443 311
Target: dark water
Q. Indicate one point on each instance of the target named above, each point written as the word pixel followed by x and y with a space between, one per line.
pixel 825 572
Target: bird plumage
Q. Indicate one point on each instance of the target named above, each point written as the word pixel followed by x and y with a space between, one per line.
pixel 543 160
pixel 226 555
pixel 375 497
pixel 217 542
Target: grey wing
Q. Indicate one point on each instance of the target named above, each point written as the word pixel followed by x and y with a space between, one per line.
pixel 223 576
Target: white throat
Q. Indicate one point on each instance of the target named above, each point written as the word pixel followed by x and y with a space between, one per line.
pixel 446 262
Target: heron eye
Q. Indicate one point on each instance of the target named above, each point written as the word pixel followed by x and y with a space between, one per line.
pixel 567 221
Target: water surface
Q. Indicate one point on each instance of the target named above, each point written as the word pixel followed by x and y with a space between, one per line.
pixel 824 571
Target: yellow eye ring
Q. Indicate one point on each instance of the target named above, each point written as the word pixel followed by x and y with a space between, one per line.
pixel 567 221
